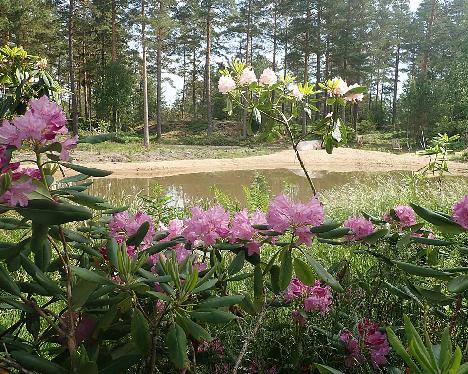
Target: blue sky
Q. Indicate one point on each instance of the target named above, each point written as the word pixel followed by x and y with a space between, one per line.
pixel 170 90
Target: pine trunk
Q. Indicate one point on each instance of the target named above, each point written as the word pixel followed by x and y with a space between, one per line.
pixel 74 107
pixel 395 86
pixel 209 118
pixel 145 76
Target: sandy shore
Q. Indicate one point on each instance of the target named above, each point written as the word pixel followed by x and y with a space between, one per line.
pixel 342 160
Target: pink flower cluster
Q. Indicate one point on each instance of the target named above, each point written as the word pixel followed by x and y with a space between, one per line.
pixel 405 216
pixel 460 212
pixel 316 298
pixel 175 228
pixel 44 122
pixel 122 225
pixel 284 214
pixel 242 229
pixel 360 228
pixel 372 339
pixel 206 226
pixel 17 193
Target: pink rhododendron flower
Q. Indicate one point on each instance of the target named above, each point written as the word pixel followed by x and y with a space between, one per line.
pixel 338 86
pixel 284 214
pixel 319 299
pixel 355 97
pixel 122 225
pixel 207 226
pixel 30 127
pixel 353 352
pixel 242 229
pixel 226 84
pixel 33 173
pixel 296 289
pixel 295 92
pixel 247 77
pixel 67 145
pixel 16 193
pixel 405 214
pixel 268 77
pixel 376 341
pixel 9 135
pixel 360 228
pixel 460 212
pixel 51 114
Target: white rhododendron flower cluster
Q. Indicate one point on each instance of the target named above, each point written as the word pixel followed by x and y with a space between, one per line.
pixel 226 84
pixel 268 77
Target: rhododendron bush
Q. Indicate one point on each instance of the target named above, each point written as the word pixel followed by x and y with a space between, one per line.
pixel 89 287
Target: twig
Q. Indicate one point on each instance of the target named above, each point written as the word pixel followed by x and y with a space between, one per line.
pixel 248 340
pixel 13 364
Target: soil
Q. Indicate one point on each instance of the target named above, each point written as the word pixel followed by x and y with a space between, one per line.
pixel 342 160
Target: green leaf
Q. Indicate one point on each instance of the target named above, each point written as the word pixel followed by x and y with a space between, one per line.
pixel 325 227
pixel 205 286
pixel 7 283
pixel 112 252
pixel 335 233
pixel 212 316
pixel 422 271
pixel 120 364
pixel 237 263
pixel 90 276
pixel 427 241
pixel 176 342
pixel 274 276
pixel 303 271
pixel 81 291
pixel 87 171
pixel 286 269
pixel 12 224
pixel 397 345
pixel 140 332
pixel 259 293
pixel 73 178
pixel 323 274
pixel 40 245
pixel 458 284
pixel 49 212
pixel 194 329
pixel 36 363
pixel 323 369
pixel 375 236
pixel 219 302
pixel 443 223
pixel 136 239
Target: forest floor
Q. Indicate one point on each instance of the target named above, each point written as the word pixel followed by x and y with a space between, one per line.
pixel 187 159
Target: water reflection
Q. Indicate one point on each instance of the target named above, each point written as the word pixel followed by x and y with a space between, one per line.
pixel 186 189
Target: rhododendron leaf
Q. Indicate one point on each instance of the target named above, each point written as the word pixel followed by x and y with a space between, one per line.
pixel 159 247
pixel 52 213
pixel 12 224
pixel 36 363
pixel 159 295
pixel 422 271
pixel 397 345
pixel 458 284
pixel 50 285
pixel 404 241
pixel 74 178
pixel 427 241
pixel 193 329
pixel 396 291
pixel 112 252
pixel 136 239
pixel 239 277
pixel 213 316
pixel 81 291
pixel 303 271
pixel 95 139
pixel 356 90
pixel 70 235
pixel 120 365
pixel 335 233
pixel 237 263
pixel 375 236
pixel 248 305
pixel 286 269
pixel 88 171
pixel 416 344
pixel 7 283
pixel 444 223
pixel 160 235
pixel 324 369
pixel 274 276
pixel 91 276
pixel 433 296
pixel 227 246
pixel 330 241
pixel 325 227
pixel 40 245
pixel 176 342
pixel 219 302
pixel 256 120
pixel 323 274
pixel 205 285
pixel 140 332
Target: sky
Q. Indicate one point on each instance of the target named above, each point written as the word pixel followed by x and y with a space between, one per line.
pixel 170 90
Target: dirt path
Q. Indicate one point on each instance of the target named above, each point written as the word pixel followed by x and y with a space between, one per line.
pixel 342 160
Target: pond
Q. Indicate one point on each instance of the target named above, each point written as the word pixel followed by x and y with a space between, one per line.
pixel 185 189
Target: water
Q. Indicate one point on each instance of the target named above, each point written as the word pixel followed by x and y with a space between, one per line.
pixel 186 189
